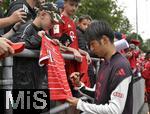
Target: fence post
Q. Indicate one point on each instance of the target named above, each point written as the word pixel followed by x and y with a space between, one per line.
pixel 6 80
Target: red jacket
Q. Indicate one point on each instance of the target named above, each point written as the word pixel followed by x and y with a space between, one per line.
pixel 146 75
pixel 132 59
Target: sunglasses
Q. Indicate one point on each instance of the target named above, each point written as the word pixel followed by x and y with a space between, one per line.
pixel 55 17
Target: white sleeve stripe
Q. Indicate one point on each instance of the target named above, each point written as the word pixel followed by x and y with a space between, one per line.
pixel 25 29
pixel 91 89
pixel 88 89
pixel 86 95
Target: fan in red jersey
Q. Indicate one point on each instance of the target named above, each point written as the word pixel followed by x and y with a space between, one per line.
pixel 68 28
pixel 146 76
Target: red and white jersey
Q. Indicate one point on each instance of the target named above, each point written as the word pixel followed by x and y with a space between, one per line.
pixel 146 75
pixel 57 81
pixel 132 59
pixel 74 66
pixel 69 28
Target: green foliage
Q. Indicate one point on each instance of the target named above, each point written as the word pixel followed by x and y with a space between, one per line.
pixel 5 5
pixel 101 10
pixel 106 10
pixel 146 46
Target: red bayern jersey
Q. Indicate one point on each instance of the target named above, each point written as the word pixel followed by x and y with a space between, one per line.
pixel 57 81
pixel 69 28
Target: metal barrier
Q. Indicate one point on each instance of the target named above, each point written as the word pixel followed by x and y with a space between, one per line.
pixel 6 81
pixel 6 78
pixel 62 107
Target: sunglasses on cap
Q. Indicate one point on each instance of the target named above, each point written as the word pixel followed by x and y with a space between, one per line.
pixel 56 18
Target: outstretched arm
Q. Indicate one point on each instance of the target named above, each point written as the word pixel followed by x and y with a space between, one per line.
pixel 17 16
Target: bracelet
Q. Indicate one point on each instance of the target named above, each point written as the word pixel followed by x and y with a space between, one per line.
pixel 14 29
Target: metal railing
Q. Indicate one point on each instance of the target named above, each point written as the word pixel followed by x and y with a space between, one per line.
pixel 6 79
pixel 62 107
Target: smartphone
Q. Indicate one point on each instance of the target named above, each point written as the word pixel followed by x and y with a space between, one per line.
pixel 65 40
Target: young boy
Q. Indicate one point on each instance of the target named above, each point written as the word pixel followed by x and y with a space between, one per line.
pixel 27 73
pixel 68 28
pixel 82 25
pixel 67 31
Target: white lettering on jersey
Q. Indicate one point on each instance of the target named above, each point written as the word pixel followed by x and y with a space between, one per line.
pixel 56 29
pixel 118 94
pixel 69 26
pixel 50 56
pixel 72 35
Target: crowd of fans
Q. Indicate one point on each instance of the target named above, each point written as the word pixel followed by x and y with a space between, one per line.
pixel 29 20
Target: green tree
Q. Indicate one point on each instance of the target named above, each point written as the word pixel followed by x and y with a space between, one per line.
pixel 147 45
pixel 5 5
pixel 106 10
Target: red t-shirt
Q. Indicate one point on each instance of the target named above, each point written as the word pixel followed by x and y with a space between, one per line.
pixel 132 60
pixel 57 81
pixel 146 75
pixel 69 28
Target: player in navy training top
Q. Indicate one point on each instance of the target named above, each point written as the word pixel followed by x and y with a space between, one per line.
pixel 112 93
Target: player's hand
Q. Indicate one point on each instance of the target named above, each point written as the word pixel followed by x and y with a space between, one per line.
pixel 73 101
pixel 75 79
